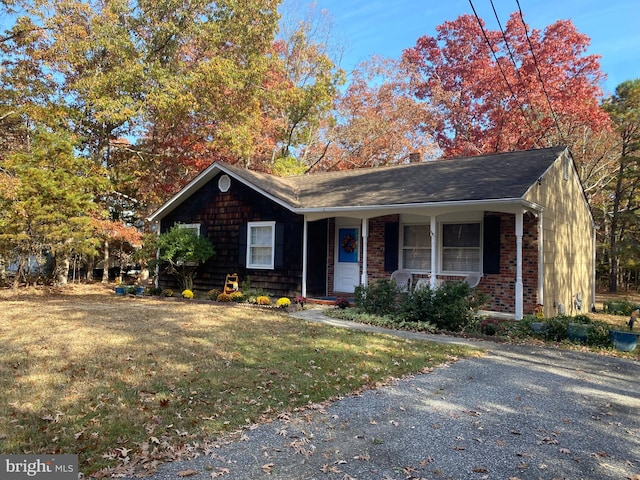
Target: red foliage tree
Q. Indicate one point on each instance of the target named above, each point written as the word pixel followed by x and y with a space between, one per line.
pixel 499 92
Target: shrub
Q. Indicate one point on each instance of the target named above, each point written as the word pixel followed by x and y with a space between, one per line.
pixel 213 294
pixel 382 297
pixel 187 294
pixel 454 306
pixel 491 326
pixel 556 328
pixel 237 297
pixel 283 302
pixel 300 300
pixel 599 334
pixel 167 292
pixel 341 302
pixel 155 291
pixel 451 307
pixel 223 297
pixel 180 251
pixel 619 307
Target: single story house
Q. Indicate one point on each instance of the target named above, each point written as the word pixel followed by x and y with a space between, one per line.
pixel 519 219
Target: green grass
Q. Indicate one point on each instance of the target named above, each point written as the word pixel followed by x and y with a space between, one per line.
pixel 128 382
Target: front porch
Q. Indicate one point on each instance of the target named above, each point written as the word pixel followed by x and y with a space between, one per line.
pixel 501 247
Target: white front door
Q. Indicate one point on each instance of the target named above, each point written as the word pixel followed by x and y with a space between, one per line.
pixel 347 259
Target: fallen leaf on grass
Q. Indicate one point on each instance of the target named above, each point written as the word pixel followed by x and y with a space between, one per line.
pixel 268 468
pixel 479 470
pixel 565 450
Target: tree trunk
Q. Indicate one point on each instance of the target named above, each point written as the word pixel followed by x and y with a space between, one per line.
pixel 91 263
pixel 105 262
pixel 62 270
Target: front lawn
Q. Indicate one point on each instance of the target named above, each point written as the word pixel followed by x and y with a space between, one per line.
pixel 126 383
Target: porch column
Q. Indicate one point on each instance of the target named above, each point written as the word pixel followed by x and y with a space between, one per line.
pixel 540 259
pixel 365 236
pixel 434 244
pixel 305 239
pixel 519 289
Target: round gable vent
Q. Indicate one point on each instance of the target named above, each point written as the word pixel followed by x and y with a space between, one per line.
pixel 224 183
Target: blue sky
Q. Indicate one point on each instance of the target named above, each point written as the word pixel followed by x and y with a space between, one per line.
pixel 386 27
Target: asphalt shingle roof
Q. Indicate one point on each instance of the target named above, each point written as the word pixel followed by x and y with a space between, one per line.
pixel 485 177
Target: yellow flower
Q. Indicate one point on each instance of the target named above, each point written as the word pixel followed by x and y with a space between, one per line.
pixel 263 300
pixel 283 302
pixel 187 294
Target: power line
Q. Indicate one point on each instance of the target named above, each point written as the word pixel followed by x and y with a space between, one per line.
pixel 535 62
pixel 504 75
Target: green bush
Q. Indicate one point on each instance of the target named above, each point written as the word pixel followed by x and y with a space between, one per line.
pixel 451 307
pixel 619 307
pixel 599 334
pixel 555 328
pixel 382 297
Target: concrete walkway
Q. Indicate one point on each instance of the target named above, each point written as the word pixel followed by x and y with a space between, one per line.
pixel 519 412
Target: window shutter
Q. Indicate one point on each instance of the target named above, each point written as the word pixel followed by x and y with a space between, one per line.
pixel 242 245
pixel 491 253
pixel 391 245
pixel 278 259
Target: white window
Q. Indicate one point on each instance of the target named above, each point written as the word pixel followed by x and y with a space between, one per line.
pixel 193 226
pixel 416 247
pixel 261 237
pixel 461 247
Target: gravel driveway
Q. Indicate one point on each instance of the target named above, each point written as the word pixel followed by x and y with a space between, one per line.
pixel 519 412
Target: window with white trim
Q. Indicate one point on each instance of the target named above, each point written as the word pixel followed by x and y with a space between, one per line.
pixel 261 237
pixel 192 226
pixel 416 247
pixel 461 247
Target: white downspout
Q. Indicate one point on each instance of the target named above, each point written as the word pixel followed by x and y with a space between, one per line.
pixel 540 259
pixel 434 256
pixel 519 289
pixel 365 236
pixel 305 239
pixel 593 269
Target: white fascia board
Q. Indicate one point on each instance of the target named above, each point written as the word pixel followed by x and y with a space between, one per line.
pixel 509 205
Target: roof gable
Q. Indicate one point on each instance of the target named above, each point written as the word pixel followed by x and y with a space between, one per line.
pixel 500 176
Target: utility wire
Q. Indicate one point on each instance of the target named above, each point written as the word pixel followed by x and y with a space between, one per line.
pixel 504 75
pixel 511 56
pixel 535 62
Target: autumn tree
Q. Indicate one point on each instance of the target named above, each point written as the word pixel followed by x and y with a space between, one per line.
pixel 619 210
pixel 378 121
pixel 509 89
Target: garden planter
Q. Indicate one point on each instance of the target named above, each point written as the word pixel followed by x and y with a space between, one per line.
pixel 121 291
pixel 624 341
pixel 139 291
pixel 577 332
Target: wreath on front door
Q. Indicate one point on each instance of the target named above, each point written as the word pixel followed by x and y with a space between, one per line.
pixel 348 243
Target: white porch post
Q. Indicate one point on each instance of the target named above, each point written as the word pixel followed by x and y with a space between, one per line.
pixel 434 244
pixel 305 239
pixel 540 259
pixel 365 236
pixel 519 289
